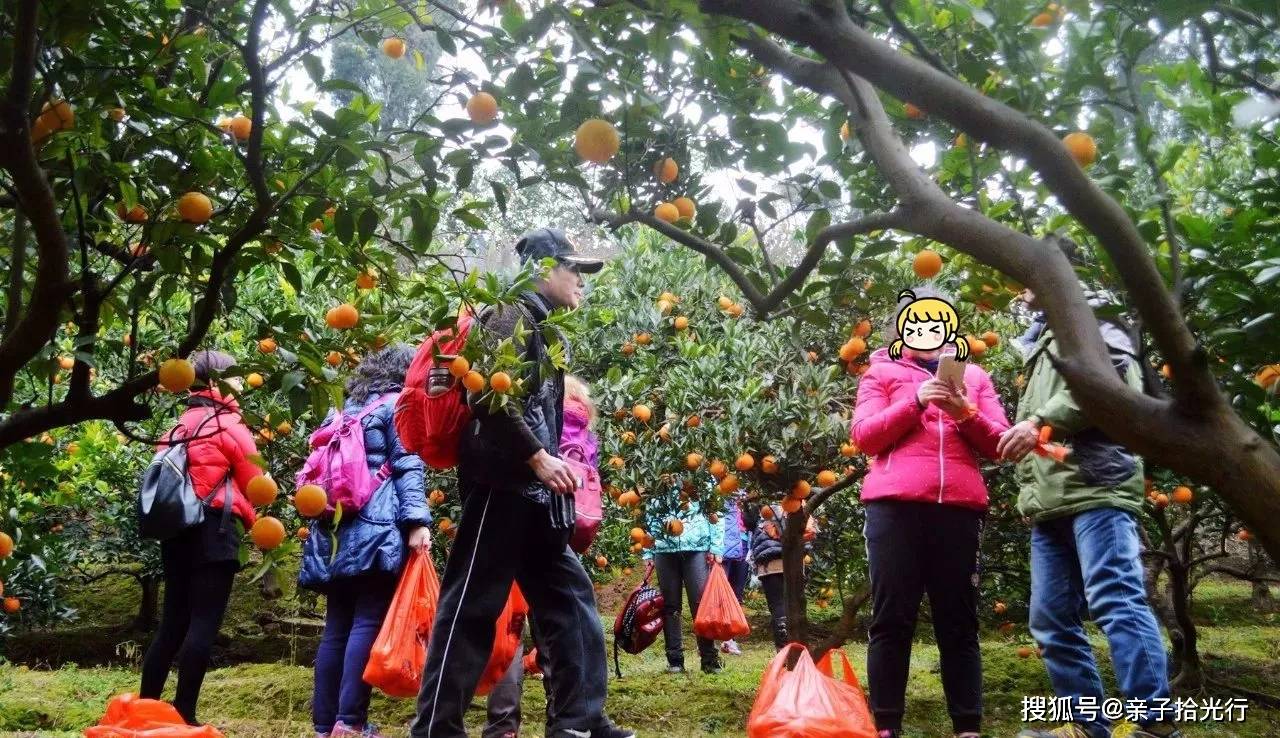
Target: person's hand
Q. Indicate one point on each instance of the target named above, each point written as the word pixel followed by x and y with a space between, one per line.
pixel 1018 441
pixel 420 539
pixel 933 390
pixel 557 474
pixel 713 559
pixel 956 404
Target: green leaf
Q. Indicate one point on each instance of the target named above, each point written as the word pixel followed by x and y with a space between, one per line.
pixel 819 220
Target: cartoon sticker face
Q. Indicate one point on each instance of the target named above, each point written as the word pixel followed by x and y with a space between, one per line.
pixel 927 324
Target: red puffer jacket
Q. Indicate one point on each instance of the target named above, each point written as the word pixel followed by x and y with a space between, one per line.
pixel 922 455
pixel 223 447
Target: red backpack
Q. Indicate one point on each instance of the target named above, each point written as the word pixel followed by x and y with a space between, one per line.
pixel 432 409
pixel 639 621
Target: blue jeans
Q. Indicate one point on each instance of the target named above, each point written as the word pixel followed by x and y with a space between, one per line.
pixel 1091 563
pixel 354 613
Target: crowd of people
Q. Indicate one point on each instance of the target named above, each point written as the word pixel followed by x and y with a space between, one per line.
pixel 924 495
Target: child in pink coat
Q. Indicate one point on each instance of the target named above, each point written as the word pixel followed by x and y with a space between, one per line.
pixel 926 502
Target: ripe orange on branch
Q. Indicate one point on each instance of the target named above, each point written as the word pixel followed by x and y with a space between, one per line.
pixel 267 533
pixel 1082 147
pixel 135 214
pixel 482 108
pixel 310 500
pixel 261 490
pixel 1183 495
pixel 927 264
pixel 473 381
pixel 240 127
pixel 6 545
pixel 267 345
pixel 641 413
pixel 666 212
pixel 195 207
pixel 826 478
pixel 744 462
pixel 596 140
pixel 394 47
pixel 342 317
pixel 769 465
pixel 177 375
pixel 500 382
pixel 685 207
pixel 693 461
pixel 666 170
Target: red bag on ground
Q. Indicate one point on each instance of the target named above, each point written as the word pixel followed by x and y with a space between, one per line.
pixel 850 677
pixel 432 409
pixel 130 716
pixel 509 630
pixel 400 651
pixel 805 703
pixel 531 663
pixel 720 617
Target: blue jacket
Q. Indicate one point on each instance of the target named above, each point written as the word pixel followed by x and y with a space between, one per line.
pixel 735 537
pixel 372 540
pixel 699 534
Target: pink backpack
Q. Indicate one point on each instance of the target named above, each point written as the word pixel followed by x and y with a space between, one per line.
pixel 587 506
pixel 338 463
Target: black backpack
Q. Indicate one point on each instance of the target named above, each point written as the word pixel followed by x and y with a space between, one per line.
pixel 167 501
pixel 639 621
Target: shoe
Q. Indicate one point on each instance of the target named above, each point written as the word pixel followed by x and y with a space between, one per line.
pixel 1070 730
pixel 608 730
pixel 730 647
pixel 712 667
pixel 1157 730
pixel 342 730
pixel 675 668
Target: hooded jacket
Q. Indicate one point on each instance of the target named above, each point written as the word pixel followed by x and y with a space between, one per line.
pixel 222 446
pixel 373 540
pixel 922 454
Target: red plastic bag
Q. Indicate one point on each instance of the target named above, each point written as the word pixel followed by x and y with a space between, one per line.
pixel 129 716
pixel 805 703
pixel 720 617
pixel 531 663
pixel 400 651
pixel 432 409
pixel 850 678
pixel 509 630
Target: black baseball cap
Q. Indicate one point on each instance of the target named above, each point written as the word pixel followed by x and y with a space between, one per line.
pixel 552 243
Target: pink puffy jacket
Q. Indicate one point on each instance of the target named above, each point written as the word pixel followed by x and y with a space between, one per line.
pixel 923 455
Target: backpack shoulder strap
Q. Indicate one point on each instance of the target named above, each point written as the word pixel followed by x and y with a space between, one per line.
pixel 370 407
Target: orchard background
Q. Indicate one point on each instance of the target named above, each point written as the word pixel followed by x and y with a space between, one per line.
pixel 299 183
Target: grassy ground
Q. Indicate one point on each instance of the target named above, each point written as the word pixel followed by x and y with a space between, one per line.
pixel 261 700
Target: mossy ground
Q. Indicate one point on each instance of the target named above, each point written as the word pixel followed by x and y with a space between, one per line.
pixel 261 700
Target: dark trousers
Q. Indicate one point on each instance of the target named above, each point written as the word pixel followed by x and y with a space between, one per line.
pixel 504 716
pixel 354 611
pixel 195 600
pixel 685 570
pixel 739 573
pixel 505 537
pixel 915 549
pixel 774 594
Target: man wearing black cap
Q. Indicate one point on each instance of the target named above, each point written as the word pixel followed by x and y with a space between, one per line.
pixel 517 516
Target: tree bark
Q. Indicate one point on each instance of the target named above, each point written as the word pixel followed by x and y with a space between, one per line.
pixel 149 605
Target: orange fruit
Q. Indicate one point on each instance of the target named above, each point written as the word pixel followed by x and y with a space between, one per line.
pixel 54 116
pixel 628 348
pixel 637 535
pixel 117 114
pixel 136 214
pixel 601 562
pixel 500 382
pixel 1243 535
pixel 267 533
pixel 261 490
pixel 769 465
pixel 792 505
pixel 302 534
pixel 666 212
pixel 254 380
pixel 801 489
pixel 681 323
pixel 317 225
pixel 912 111
pixel 366 280
pixel 177 375
pixel 12 605
pixel 1166 372
pixel 927 264
pixel 195 207
pixel 482 108
pixel 666 170
pixel 744 462
pixel 685 206
pixel 862 329
pixel 310 500
pixel 459 367
pixel 284 428
pixel 473 381
pixel 1161 500
pixel 394 47
pixel 693 422
pixel 628 499
pixel 724 302
pixel 665 306
pixel 848 450
pixel 628 438
pixel 641 413
pixel 826 478
pixel 1024 652
pixel 729 484
pixel 1007 628
pixel 852 349
pixel 445 525
pixel 644 339
pixel 333 358
pixel 718 469
pixel 1082 147
pixel 241 127
pixel 735 310
pixel 1267 376
pixel 693 461
pixel 977 347
pixel 991 338
pixel 844 131
pixel 1000 608
pixel 1042 20
pixel 675 527
pixel 617 462
pixel 596 140
pixel 1183 495
pixel 6 545
pixel 436 497
pixel 342 317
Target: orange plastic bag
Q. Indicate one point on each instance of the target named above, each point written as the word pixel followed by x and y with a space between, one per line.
pixel 720 617
pixel 531 663
pixel 849 677
pixel 400 651
pixel 804 703
pixel 509 630
pixel 130 716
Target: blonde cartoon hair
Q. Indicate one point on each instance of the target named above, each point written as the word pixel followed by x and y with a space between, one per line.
pixel 576 390
pixel 931 308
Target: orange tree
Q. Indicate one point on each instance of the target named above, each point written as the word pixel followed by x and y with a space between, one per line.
pixel 996 129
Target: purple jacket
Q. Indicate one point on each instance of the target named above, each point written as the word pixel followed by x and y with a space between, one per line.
pixel 924 455
pixel 576 436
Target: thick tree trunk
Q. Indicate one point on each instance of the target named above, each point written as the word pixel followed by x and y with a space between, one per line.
pixel 793 576
pixel 1189 672
pixel 1261 598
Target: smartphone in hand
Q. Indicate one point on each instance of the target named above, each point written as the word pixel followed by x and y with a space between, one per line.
pixel 952 372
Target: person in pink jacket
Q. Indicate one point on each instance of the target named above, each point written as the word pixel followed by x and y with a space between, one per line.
pixel 925 503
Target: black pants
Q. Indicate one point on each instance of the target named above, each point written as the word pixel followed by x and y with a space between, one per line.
pixel 504 537
pixel 916 549
pixel 195 600
pixel 738 572
pixel 774 587
pixel 687 571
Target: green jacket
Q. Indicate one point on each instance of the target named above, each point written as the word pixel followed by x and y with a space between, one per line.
pixel 1098 472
